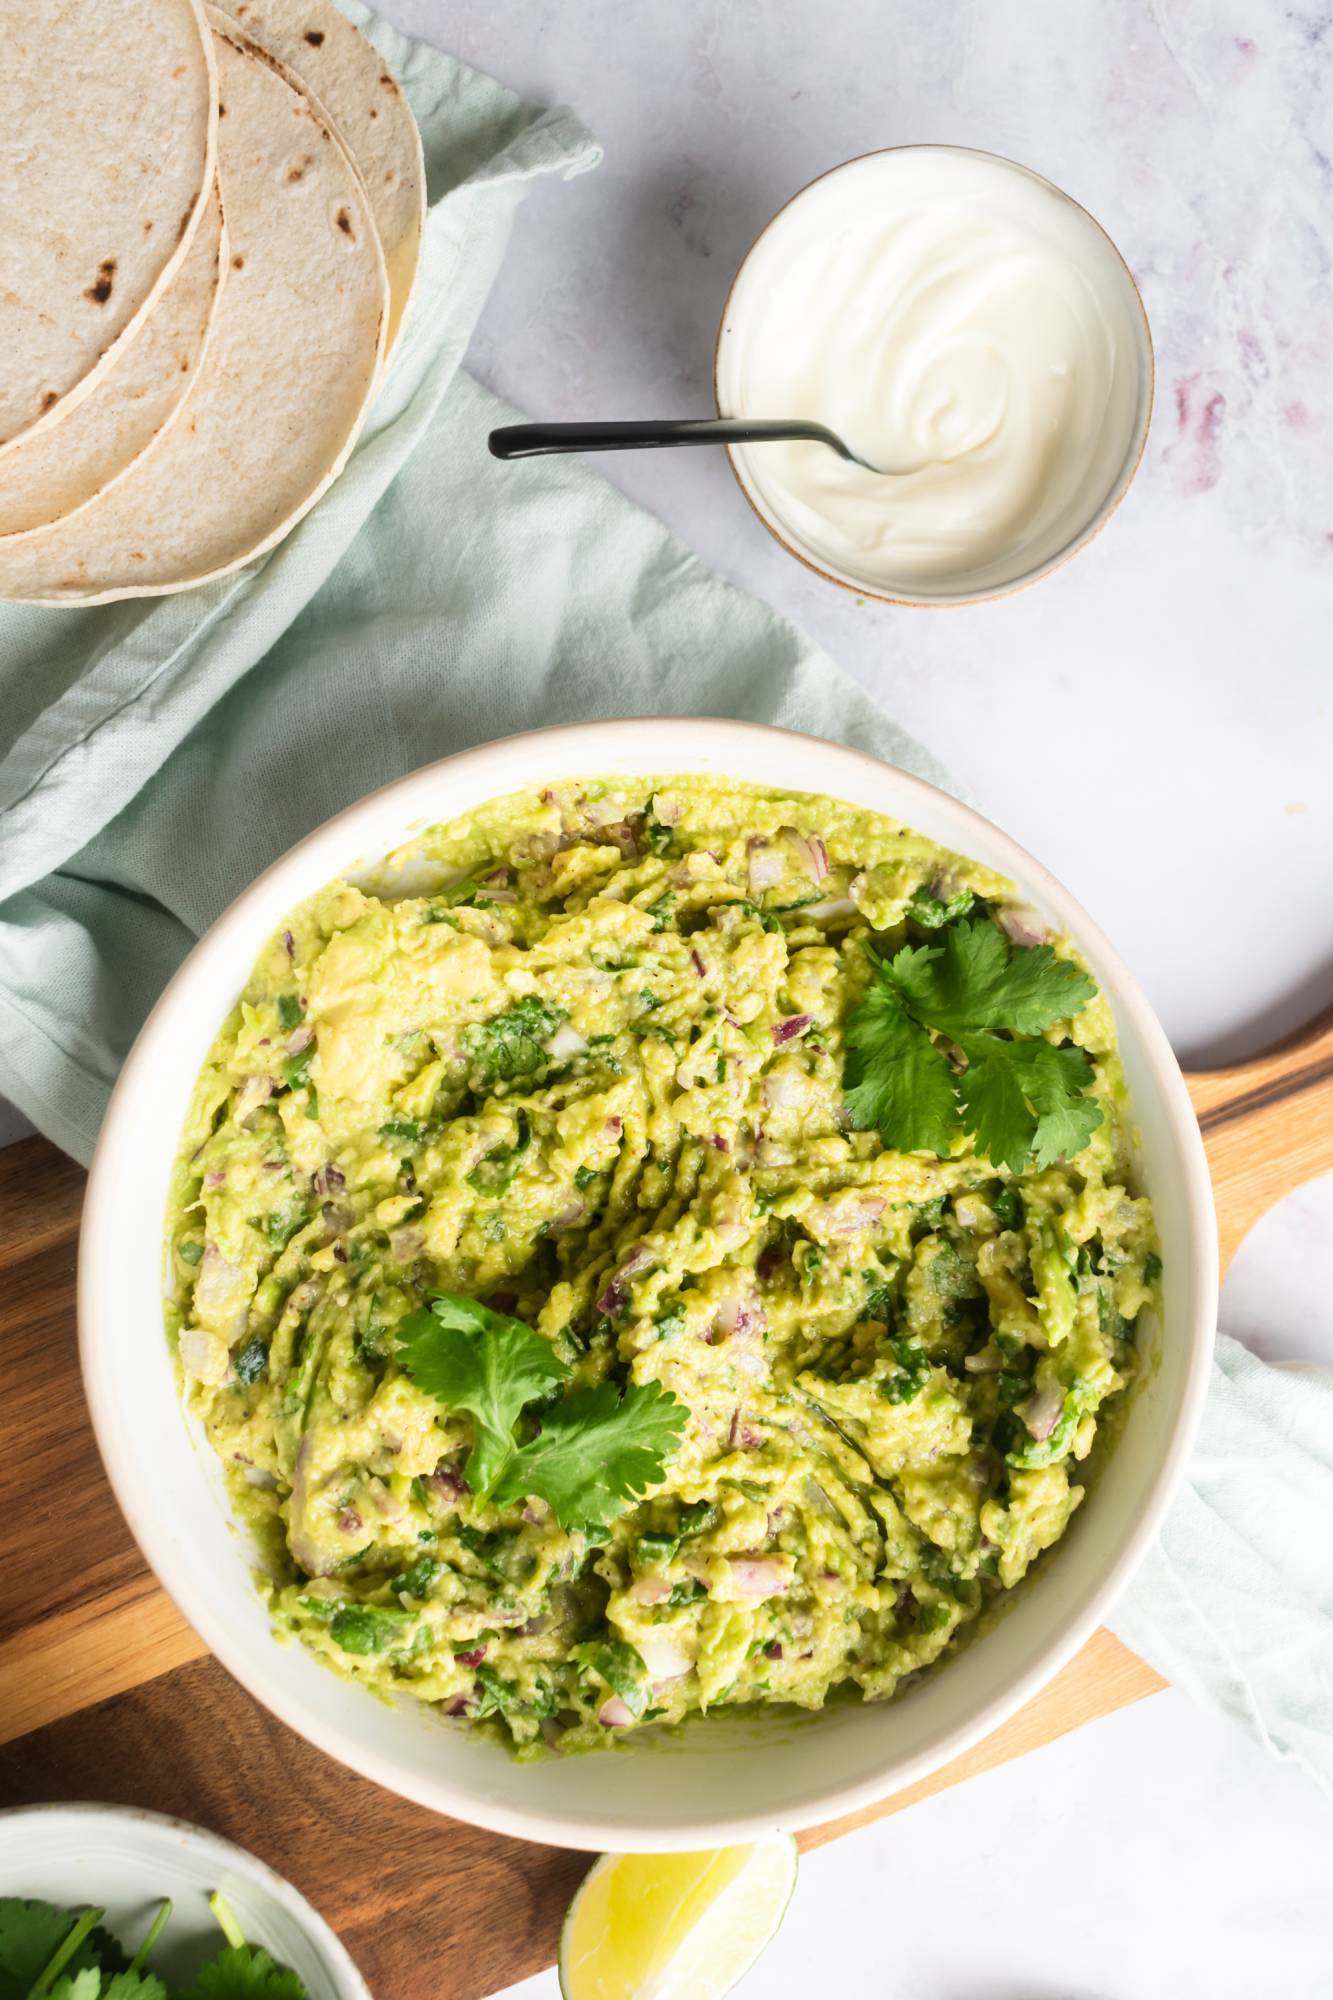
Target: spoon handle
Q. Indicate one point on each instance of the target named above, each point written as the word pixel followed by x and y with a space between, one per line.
pixel 532 440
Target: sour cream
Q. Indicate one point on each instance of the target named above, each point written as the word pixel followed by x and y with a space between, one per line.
pixel 964 326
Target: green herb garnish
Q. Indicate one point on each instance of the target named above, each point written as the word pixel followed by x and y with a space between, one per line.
pixel 1019 1100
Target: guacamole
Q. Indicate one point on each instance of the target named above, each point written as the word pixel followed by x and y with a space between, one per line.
pixel 619 1078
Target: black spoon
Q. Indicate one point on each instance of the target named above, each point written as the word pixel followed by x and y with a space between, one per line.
pixel 533 440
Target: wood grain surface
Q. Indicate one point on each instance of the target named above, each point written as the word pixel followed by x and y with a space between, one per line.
pixel 106 1692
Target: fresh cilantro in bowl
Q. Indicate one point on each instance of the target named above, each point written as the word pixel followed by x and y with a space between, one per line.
pixel 51 1953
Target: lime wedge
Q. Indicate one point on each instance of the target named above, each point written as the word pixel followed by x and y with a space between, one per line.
pixel 674 1926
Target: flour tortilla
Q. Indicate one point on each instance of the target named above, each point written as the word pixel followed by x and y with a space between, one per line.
pixel 108 125
pixel 351 83
pixel 285 382
pixel 50 474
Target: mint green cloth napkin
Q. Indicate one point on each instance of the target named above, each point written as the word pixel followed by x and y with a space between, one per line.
pixel 154 757
pixel 157 755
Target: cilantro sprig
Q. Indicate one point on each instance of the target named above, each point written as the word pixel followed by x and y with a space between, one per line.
pixel 596 1450
pixel 50 1953
pixel 1021 1100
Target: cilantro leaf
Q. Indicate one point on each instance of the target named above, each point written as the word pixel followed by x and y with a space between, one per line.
pixel 31 1935
pixel 483 1362
pixel 1026 1099
pixel 1058 1085
pixel 514 1043
pixel 895 1078
pixel 972 979
pixel 85 1985
pixel 245 1972
pixel 620 1665
pixel 1020 1100
pixel 995 1102
pixel 368 1628
pixel 596 1452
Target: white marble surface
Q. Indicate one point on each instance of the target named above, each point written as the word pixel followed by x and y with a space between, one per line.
pixel 1154 722
pixel 1111 1866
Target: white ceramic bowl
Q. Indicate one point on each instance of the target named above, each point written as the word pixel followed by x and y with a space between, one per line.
pixel 1074 234
pixel 727 1780
pixel 126 1860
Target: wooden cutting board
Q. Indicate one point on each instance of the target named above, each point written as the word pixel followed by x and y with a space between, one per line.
pixel 106 1693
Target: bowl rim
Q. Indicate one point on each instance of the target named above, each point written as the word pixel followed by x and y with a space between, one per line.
pixel 1119 487
pixel 342 1970
pixel 110 1175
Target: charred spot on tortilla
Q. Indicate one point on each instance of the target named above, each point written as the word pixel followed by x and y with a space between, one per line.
pixel 49 399
pixel 388 81
pixel 314 36
pixel 238 262
pixel 344 222
pixel 297 171
pixel 148 225
pixel 184 223
pixel 100 289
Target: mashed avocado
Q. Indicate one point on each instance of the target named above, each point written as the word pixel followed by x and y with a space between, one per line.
pixel 584 1059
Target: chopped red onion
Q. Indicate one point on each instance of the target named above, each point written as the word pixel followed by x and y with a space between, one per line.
pixel 612 1299
pixel 201 1354
pixel 472 1659
pixel 406 1243
pixel 810 851
pixel 328 1179
pixel 615 1713
pixel 696 960
pixel 783 1090
pixel 566 1041
pixel 214 1179
pixel 350 1522
pixel 828 911
pixel 448 1483
pixel 457 1704
pixel 1041 1412
pixel 624 834
pixel 572 1213
pixel 290 943
pixel 256 1090
pixel 786 1030
pixel 1021 925
pixel 758 1576
pixel 765 865
pixel 300 1038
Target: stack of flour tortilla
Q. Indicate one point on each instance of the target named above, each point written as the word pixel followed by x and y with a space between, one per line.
pixel 211 219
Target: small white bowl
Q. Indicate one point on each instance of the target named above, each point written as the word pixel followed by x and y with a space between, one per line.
pixel 124 1860
pixel 1083 242
pixel 725 1780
